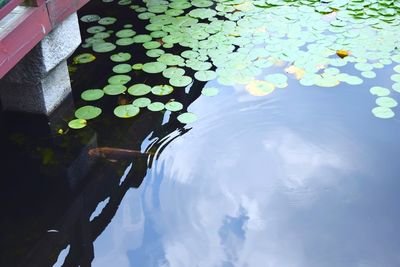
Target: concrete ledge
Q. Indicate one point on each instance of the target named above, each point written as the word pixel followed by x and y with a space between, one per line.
pixel 57 46
pixel 42 97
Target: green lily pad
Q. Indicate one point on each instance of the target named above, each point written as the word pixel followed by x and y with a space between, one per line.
pixel 386 102
pixel 121 57
pixel 141 102
pixel 174 106
pixel 96 29
pixel 87 112
pixel 114 89
pixel 173 72
pixel 92 94
pixel 151 45
pixel 137 66
pixel 139 89
pixel 187 117
pixel 156 106
pixel 154 67
pixel 379 91
pixel 125 33
pixel 162 90
pixel 383 112
pixel 103 47
pixel 180 81
pixel 124 41
pixel 83 58
pixel 90 18
pixel 77 124
pixel 119 79
pixel 126 111
pixel 210 91
pixel 205 75
pixel 107 21
pixel 122 68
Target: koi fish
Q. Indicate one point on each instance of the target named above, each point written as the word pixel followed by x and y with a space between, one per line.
pixel 112 153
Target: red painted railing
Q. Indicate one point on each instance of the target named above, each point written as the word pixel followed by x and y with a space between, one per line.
pixel 31 26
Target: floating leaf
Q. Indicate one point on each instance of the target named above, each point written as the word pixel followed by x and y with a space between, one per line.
pixel 126 111
pixel 187 117
pixel 107 21
pixel 173 72
pixel 383 112
pixel 205 75
pixel 162 90
pixel 119 79
pixel 139 89
pixel 103 47
pixel 114 89
pixel 180 81
pixel 210 91
pixel 141 102
pixel 260 88
pixel 154 67
pixel 156 106
pixel 87 112
pixel 122 68
pixel 174 106
pixel 386 102
pixel 137 66
pixel 77 123
pixel 92 94
pixel 83 58
pixel 90 18
pixel 379 91
pixel 120 57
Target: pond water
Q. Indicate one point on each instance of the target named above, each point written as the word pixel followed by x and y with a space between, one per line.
pixel 273 142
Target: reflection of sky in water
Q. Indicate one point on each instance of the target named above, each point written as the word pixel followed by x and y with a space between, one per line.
pixel 304 178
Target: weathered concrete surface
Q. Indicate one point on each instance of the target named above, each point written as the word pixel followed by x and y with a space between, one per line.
pixel 57 46
pixel 42 97
pixel 40 81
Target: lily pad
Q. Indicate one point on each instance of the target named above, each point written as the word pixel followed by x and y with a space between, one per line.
pixel 260 88
pixel 173 72
pixel 121 57
pixel 210 91
pixel 383 112
pixel 174 106
pixel 122 68
pixel 87 112
pixel 77 124
pixel 137 66
pixel 187 117
pixel 119 79
pixel 126 111
pixel 154 67
pixel 180 81
pixel 83 58
pixel 386 102
pixel 205 75
pixel 103 47
pixel 141 102
pixel 114 89
pixel 156 106
pixel 162 90
pixel 379 91
pixel 92 94
pixel 139 89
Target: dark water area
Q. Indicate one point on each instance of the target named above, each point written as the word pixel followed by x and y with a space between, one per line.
pixel 303 177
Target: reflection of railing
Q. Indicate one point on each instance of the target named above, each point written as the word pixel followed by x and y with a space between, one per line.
pixel 22 28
